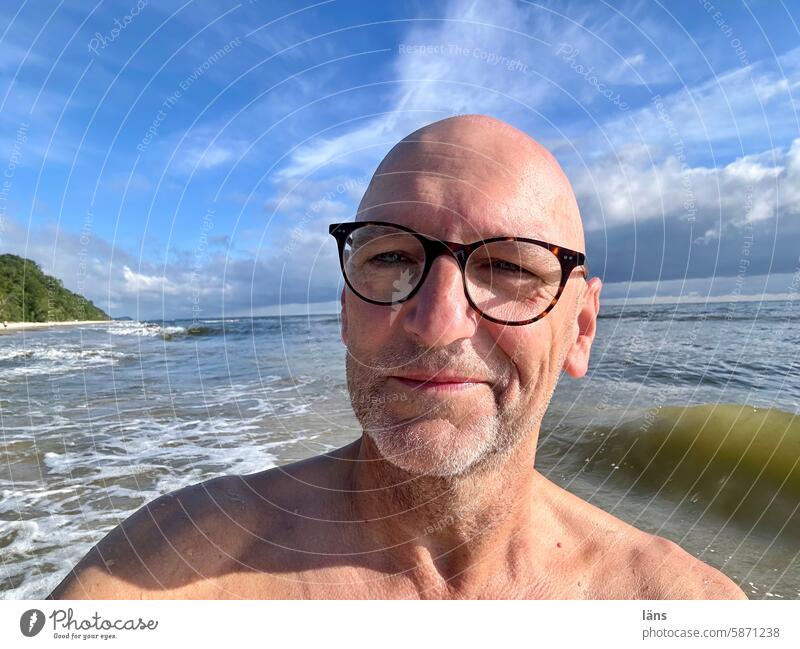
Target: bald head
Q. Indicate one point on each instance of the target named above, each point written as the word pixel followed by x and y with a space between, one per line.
pixel 481 173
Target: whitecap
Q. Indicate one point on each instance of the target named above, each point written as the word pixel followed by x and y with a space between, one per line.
pixel 149 329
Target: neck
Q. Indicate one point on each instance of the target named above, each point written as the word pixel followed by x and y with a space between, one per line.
pixel 448 533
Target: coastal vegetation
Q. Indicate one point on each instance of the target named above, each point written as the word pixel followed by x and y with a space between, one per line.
pixel 29 295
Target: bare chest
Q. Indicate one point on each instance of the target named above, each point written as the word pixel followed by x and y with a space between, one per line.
pixel 357 583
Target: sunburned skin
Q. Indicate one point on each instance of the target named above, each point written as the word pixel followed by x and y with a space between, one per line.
pixel 439 498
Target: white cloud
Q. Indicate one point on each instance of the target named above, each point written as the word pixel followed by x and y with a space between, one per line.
pixel 636 59
pixel 210 156
pixel 141 283
pixel 633 186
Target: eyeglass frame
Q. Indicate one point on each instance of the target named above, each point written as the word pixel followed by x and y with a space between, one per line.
pixel 434 248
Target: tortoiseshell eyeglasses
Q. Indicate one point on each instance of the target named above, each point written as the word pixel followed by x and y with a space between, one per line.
pixel 507 280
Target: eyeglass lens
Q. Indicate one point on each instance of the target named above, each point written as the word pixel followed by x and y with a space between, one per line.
pixel 508 280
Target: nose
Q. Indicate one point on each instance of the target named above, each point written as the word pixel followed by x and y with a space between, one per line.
pixel 439 313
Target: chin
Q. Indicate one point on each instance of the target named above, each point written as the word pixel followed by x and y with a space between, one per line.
pixel 435 448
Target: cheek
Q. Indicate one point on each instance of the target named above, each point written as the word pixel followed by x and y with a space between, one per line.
pixel 533 353
pixel 367 325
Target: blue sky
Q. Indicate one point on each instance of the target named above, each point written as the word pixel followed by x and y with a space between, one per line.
pixel 176 159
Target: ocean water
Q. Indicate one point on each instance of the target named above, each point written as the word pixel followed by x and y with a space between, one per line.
pixel 687 425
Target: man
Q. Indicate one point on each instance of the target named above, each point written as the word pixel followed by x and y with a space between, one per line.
pixel 453 353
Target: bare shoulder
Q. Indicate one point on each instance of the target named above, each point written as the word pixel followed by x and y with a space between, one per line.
pixel 167 548
pixel 616 560
pixel 677 574
pixel 648 566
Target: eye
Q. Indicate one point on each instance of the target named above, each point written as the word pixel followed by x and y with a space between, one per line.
pixel 392 257
pixel 507 266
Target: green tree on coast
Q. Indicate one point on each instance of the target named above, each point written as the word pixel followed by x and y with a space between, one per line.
pixel 28 295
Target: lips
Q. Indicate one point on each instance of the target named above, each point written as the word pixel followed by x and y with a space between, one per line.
pixel 438 382
pixel 439 378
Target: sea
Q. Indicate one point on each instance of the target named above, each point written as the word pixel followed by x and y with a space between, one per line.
pixel 687 426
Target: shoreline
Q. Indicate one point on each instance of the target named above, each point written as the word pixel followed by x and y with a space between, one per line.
pixel 13 327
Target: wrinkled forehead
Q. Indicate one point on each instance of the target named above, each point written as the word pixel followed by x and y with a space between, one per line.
pixel 467 190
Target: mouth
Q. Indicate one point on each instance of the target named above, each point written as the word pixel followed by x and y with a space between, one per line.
pixel 438 383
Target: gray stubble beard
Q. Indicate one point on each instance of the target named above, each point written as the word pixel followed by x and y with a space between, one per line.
pixel 407 446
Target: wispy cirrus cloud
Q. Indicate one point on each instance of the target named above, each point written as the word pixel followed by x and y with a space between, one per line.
pixel 459 64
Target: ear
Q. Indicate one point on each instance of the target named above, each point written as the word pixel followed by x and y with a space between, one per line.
pixel 344 319
pixel 576 361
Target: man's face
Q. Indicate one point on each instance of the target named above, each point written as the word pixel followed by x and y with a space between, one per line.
pixel 452 431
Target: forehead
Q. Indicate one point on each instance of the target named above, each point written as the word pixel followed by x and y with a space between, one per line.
pixel 459 200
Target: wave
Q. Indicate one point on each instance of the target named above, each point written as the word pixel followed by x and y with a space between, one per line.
pixel 195 330
pixel 740 462
pixel 167 332
pixel 32 361
pixel 149 329
pixel 178 329
pixel 57 354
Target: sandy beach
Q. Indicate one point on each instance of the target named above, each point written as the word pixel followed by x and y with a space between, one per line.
pixel 11 327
